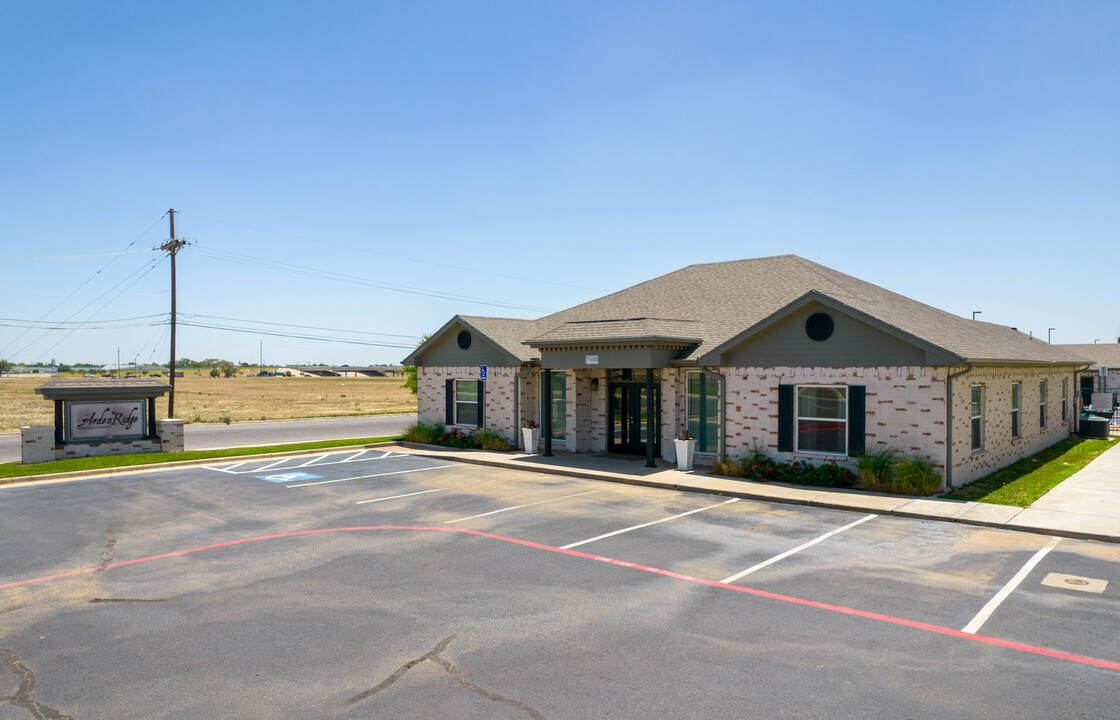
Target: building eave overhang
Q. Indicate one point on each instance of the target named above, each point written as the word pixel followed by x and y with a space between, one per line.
pixel 417 355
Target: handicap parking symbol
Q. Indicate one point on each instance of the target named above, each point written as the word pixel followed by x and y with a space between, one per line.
pixel 288 477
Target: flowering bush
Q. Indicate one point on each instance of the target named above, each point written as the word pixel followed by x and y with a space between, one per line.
pixel 762 468
pixel 456 438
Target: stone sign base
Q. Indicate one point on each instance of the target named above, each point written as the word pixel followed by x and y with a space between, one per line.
pixel 38 444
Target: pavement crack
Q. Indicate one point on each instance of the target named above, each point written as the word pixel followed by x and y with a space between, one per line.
pixel 434 656
pixel 22 696
pixel 133 600
pixel 110 543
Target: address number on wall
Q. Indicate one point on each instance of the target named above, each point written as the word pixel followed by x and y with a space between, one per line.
pixel 591 360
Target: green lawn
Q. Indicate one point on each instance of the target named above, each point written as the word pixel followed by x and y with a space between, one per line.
pixel 9 470
pixel 1029 479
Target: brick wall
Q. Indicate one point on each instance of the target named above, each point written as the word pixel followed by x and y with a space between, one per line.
pixel 999 448
pixel 170 435
pixel 498 411
pixel 37 444
pixel 905 407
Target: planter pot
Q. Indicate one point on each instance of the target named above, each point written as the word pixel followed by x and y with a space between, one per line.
pixel 685 449
pixel 531 437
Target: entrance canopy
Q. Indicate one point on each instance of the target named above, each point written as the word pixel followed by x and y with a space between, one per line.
pixel 624 343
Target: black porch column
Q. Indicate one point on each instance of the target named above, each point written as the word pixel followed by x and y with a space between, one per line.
pixel 546 411
pixel 651 415
pixel 151 417
pixel 59 438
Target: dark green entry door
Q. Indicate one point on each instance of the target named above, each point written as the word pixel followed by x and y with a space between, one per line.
pixel 632 419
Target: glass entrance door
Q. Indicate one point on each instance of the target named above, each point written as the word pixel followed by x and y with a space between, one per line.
pixel 631 417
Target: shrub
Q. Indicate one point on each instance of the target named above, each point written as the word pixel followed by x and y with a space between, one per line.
pixel 876 468
pixel 916 476
pixel 421 433
pixel 728 467
pixel 490 440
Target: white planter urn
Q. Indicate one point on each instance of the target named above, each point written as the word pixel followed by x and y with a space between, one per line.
pixel 531 438
pixel 685 450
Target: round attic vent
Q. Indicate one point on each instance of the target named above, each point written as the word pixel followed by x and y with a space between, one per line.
pixel 464 339
pixel 819 327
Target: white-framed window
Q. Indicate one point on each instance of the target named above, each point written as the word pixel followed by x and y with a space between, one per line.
pixel 466 402
pixel 1016 394
pixel 1042 404
pixel 1065 399
pixel 976 412
pixel 703 410
pixel 821 420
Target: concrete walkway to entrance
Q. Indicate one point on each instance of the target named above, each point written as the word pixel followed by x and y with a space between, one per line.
pixel 1086 505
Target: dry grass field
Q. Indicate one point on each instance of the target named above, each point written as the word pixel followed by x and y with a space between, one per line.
pixel 207 399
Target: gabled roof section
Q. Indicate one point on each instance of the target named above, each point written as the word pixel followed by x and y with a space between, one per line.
pixel 1106 354
pixel 683 332
pixel 934 355
pixel 504 334
pixel 728 298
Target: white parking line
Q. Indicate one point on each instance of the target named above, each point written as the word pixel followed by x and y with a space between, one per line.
pixel 797 549
pixel 363 477
pixel 643 525
pixel 394 497
pixel 995 602
pixel 350 458
pixel 228 469
pixel 357 455
pixel 317 457
pixel 515 507
pixel 272 465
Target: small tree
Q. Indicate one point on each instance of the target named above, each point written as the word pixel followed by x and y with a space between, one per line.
pixel 5 366
pixel 410 379
pixel 227 368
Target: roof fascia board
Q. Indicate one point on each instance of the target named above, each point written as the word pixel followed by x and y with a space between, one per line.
pixel 438 335
pixel 625 340
pixel 935 354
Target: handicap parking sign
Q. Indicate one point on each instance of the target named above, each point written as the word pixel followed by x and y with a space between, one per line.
pixel 481 372
pixel 288 477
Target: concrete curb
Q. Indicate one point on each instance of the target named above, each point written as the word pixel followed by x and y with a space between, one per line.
pixel 153 467
pixel 991 516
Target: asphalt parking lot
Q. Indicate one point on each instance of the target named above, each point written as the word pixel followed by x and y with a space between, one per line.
pixel 375 584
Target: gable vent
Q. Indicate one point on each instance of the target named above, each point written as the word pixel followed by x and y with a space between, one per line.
pixel 464 339
pixel 819 327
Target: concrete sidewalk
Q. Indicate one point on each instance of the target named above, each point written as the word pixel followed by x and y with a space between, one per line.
pixel 1086 505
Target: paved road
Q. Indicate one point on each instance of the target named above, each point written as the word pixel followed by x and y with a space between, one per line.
pixel 361 585
pixel 205 436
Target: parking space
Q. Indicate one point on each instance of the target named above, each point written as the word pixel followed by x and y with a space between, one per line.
pixel 882 592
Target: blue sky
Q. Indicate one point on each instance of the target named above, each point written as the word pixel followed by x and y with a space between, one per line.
pixel 537 155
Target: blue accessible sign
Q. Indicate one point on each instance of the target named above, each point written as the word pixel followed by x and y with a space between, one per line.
pixel 481 372
pixel 288 477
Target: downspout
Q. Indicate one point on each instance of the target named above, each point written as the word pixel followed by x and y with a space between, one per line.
pixel 949 425
pixel 722 410
pixel 517 434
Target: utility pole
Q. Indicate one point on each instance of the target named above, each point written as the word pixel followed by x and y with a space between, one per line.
pixel 172 248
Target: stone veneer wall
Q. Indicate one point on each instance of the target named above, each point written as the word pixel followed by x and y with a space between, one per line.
pixel 38 446
pixel 498 411
pixel 1000 450
pixel 905 407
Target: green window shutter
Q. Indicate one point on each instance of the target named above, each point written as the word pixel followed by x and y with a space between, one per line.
pixel 449 402
pixel 857 419
pixel 785 418
pixel 482 403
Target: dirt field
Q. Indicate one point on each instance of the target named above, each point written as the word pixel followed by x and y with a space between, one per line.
pixel 206 399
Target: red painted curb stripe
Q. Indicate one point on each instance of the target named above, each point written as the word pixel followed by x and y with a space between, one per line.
pixel 1021 647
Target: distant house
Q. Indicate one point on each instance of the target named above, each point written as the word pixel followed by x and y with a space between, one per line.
pixel 333 371
pixel 808 362
pixel 1103 373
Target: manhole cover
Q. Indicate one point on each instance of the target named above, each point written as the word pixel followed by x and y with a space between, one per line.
pixel 1074 582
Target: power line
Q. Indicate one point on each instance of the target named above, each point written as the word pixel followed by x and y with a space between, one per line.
pixel 338 277
pixel 66 258
pixel 294 336
pixel 90 278
pixel 537 281
pixel 86 322
pixel 305 327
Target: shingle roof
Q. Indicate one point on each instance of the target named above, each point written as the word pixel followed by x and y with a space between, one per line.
pixel 1107 354
pixel 721 300
pixel 630 329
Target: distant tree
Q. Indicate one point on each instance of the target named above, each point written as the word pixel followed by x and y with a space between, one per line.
pixel 215 372
pixel 5 366
pixel 410 378
pixel 227 368
pixel 65 368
